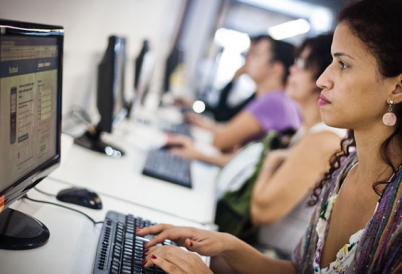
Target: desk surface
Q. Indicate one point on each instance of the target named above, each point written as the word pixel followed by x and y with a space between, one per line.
pixel 73 238
pixel 121 178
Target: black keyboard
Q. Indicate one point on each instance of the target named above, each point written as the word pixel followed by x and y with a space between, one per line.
pixel 162 164
pixel 178 128
pixel 119 249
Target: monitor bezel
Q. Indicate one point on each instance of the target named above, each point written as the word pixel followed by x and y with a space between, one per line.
pixel 106 103
pixel 18 28
pixel 106 100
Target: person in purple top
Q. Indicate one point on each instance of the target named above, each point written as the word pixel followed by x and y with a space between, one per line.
pixel 268 65
pixel 275 111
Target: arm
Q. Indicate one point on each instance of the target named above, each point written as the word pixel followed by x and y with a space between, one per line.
pixel 202 121
pixel 183 102
pixel 238 130
pixel 185 147
pixel 237 254
pixel 243 258
pixel 275 194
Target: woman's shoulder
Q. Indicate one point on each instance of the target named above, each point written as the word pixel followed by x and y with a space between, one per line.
pixel 320 138
pixel 322 127
pixel 334 182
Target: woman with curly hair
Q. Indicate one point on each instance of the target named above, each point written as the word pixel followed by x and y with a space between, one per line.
pixel 357 224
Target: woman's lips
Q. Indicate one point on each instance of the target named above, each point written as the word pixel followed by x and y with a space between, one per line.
pixel 323 101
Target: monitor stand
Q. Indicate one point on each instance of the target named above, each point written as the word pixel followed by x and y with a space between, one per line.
pixel 19 231
pixel 95 143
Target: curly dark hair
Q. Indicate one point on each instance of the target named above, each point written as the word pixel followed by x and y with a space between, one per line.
pixel 377 24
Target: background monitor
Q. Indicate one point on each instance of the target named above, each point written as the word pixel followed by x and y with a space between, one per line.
pixel 143 69
pixel 175 57
pixel 110 99
pixel 139 61
pixel 30 122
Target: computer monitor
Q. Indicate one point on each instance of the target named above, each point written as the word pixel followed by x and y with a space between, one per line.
pixel 110 99
pixel 144 66
pixel 175 58
pixel 30 122
pixel 139 68
pixel 139 61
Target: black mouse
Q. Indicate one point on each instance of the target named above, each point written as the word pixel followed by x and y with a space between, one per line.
pixel 170 146
pixel 80 196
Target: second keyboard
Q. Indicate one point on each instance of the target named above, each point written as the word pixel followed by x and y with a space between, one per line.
pixel 162 164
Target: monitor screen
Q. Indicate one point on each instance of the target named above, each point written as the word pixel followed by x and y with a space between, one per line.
pixel 110 98
pixel 30 105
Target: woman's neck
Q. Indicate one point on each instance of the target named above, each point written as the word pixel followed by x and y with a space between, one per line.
pixel 368 148
pixel 269 85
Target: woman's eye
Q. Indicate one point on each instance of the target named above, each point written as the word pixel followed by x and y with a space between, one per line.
pixel 343 65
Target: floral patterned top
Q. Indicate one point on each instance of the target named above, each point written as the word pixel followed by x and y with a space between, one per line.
pixel 345 255
pixel 379 249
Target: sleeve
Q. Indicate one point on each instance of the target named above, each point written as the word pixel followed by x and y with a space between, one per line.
pixel 275 111
pixel 381 248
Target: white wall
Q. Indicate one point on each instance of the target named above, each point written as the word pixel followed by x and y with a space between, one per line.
pixel 87 25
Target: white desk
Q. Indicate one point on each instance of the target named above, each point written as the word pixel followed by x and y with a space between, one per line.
pixel 122 178
pixel 73 238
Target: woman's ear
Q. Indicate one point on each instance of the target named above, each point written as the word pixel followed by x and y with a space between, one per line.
pixel 396 95
pixel 279 68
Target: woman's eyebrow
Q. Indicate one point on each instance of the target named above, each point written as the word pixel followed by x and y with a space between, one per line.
pixel 339 54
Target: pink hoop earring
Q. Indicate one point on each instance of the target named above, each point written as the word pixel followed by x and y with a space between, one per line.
pixel 389 118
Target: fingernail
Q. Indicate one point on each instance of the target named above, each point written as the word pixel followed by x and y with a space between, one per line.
pixel 153 257
pixel 146 251
pixel 139 228
pixel 144 261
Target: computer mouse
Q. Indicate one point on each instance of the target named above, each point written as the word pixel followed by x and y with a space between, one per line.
pixel 80 196
pixel 170 146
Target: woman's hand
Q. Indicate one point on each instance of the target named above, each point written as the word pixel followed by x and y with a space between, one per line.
pixel 201 121
pixel 183 146
pixel 204 242
pixel 173 259
pixel 238 255
pixel 183 102
pixel 275 158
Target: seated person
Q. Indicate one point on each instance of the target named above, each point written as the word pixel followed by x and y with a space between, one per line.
pixel 356 223
pixel 280 193
pixel 223 111
pixel 272 109
pixel 278 202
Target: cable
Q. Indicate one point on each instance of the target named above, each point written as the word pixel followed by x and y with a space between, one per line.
pixel 83 116
pixel 41 191
pixel 50 203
